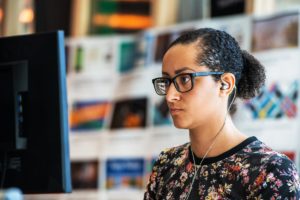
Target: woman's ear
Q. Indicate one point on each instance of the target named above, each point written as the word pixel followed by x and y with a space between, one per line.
pixel 227 84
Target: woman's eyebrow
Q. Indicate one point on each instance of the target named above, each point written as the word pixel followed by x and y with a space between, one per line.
pixel 183 69
pixel 179 71
pixel 165 73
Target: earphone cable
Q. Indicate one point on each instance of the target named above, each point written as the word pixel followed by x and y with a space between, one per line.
pixel 197 168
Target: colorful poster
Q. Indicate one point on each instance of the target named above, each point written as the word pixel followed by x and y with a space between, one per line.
pixel 85 174
pixel 89 115
pixel 273 102
pixel 129 113
pixel 277 31
pixel 124 173
pixel 92 56
pixel 127 54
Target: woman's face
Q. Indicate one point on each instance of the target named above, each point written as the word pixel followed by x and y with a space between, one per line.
pixel 199 106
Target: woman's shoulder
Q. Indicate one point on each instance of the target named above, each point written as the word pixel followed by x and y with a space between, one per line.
pixel 173 155
pixel 266 161
pixel 176 149
pixel 271 172
pixel 261 152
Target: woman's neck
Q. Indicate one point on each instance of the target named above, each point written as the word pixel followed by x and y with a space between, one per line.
pixel 203 137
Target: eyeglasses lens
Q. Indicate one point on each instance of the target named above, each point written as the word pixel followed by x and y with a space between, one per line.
pixel 183 83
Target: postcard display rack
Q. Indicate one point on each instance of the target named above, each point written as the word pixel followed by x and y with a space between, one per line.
pixel 118 125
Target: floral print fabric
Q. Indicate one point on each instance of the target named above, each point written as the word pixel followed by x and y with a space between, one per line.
pixel 251 170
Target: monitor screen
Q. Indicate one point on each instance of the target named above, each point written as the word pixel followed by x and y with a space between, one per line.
pixel 34 144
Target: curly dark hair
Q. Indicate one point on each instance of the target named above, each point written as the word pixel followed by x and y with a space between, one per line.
pixel 220 52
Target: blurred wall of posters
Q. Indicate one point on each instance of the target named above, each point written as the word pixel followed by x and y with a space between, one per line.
pixel 124 173
pixel 85 174
pixel 110 91
pixel 277 31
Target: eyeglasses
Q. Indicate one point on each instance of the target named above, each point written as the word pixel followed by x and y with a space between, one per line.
pixel 182 82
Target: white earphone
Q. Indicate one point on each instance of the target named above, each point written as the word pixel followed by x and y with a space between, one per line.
pixel 224 86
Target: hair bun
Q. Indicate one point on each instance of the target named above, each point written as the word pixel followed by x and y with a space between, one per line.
pixel 252 77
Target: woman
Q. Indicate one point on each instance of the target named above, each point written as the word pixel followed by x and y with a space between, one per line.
pixel 203 71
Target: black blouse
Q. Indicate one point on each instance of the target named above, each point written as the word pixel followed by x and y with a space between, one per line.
pixel 250 170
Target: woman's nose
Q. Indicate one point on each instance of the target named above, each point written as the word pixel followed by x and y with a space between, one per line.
pixel 172 94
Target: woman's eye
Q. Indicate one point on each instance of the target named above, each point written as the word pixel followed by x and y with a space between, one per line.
pixel 184 79
pixel 167 82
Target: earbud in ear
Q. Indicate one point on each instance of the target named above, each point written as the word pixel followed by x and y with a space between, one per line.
pixel 224 86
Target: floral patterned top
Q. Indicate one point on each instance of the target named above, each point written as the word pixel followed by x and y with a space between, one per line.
pixel 251 170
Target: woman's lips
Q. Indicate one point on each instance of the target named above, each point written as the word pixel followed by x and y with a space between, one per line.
pixel 175 111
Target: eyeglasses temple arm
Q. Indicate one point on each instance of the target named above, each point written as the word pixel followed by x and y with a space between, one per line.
pixel 207 73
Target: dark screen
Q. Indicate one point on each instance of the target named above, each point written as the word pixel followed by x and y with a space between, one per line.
pixel 42 163
pixel 6 108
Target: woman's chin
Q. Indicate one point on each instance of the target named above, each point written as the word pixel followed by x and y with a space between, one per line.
pixel 180 124
pixel 181 127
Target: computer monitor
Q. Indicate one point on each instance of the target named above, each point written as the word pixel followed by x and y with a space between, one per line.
pixel 34 145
